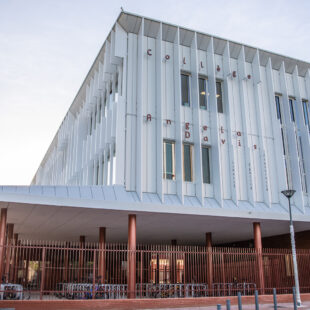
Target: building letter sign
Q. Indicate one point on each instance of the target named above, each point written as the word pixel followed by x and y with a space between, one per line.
pixel 187 133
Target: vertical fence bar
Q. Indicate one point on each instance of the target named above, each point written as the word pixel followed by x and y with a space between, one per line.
pixel 94 275
pixel 42 273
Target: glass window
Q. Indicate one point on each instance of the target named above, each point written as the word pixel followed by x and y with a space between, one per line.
pixel 206 165
pixel 187 162
pixel 109 168
pixel 102 167
pixel 169 152
pixel 202 93
pixel 95 118
pixel 302 165
pixel 291 103
pixel 219 97
pixel 100 108
pixel 185 90
pixel 97 175
pixel 278 107
pixel 306 112
pixel 91 124
pixel 116 83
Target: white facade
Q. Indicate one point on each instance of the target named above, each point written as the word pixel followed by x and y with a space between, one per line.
pixel 130 103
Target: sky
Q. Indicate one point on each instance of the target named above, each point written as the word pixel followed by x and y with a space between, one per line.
pixel 48 46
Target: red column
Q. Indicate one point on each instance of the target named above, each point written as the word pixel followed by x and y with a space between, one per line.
pixel 14 260
pixel 258 247
pixel 173 267
pixel 81 259
pixel 131 270
pixel 2 240
pixel 102 256
pixel 209 261
pixel 66 261
pixel 8 251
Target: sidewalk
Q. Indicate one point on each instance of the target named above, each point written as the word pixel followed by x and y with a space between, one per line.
pixel 286 306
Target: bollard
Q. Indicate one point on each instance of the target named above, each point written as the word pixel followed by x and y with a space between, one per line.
pixel 275 305
pixel 294 298
pixel 256 300
pixel 228 304
pixel 239 301
pixel 218 307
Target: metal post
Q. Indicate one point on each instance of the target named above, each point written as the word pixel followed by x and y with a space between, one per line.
pixel 218 307
pixel 256 300
pixel 294 298
pixel 275 304
pixel 289 194
pixel 228 304
pixel 239 301
pixel 294 255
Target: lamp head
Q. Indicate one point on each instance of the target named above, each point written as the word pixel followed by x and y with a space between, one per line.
pixel 288 193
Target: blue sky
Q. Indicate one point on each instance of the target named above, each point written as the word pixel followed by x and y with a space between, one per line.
pixel 48 46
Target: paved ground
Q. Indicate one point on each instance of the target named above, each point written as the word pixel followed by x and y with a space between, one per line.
pixel 287 306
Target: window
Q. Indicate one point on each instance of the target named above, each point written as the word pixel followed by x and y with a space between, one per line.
pixel 306 112
pixel 105 105
pixel 169 169
pixel 278 107
pixel 100 108
pixel 202 93
pixel 291 103
pixel 102 167
pixel 302 165
pixel 116 83
pixel 219 97
pixel 91 124
pixel 109 169
pixel 185 90
pixel 97 175
pixel 205 165
pixel 187 162
pixel 95 118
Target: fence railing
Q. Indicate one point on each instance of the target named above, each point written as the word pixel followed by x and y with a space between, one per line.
pixel 52 270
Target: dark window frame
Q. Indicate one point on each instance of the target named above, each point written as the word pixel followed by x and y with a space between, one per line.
pixel 185 103
pixel 186 177
pixel 206 178
pixel 169 175
pixel 219 97
pixel 203 97
pixel 291 102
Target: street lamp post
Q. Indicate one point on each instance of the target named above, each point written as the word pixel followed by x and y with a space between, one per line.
pixel 289 194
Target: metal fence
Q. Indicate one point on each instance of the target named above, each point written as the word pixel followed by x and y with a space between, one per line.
pixel 53 270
